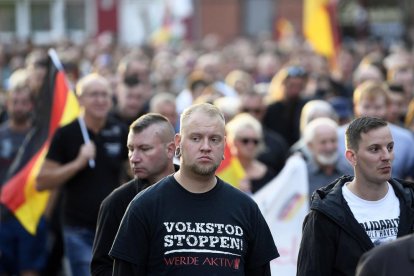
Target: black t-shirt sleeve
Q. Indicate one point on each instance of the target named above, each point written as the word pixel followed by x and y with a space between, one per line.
pixel 122 268
pixel 263 270
pixel 262 248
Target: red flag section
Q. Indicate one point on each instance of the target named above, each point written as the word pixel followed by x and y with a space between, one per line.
pixel 56 106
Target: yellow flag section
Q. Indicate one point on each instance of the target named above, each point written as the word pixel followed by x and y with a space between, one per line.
pixel 56 106
pixel 321 27
pixel 230 169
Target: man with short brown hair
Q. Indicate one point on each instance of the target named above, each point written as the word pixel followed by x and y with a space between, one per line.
pixel 355 213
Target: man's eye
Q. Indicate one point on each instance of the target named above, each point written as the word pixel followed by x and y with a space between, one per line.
pixel 215 140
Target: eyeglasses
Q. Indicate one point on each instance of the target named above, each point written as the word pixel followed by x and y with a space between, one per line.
pixel 246 141
pixel 252 110
pixel 296 71
pixel 97 94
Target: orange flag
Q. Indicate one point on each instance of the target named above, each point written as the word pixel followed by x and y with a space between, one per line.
pixel 230 169
pixel 320 25
pixel 56 106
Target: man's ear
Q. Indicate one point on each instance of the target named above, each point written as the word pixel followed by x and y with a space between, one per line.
pixel 171 149
pixel 177 140
pixel 350 155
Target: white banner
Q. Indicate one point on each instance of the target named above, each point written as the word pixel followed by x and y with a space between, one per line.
pixel 284 204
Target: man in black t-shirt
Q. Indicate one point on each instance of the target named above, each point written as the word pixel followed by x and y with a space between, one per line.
pixel 151 150
pixel 83 185
pixel 193 223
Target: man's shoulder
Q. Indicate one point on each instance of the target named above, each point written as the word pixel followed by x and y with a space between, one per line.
pixel 234 193
pixel 125 193
pixel 154 191
pixel 405 187
pixel 330 196
pixel 70 133
pixel 69 128
pixel 113 122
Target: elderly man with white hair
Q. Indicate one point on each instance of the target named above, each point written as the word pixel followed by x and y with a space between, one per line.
pixel 321 140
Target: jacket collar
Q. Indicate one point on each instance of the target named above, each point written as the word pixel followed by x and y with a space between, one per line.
pixel 330 201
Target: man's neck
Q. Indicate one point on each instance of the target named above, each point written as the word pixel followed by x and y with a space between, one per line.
pixel 95 125
pixel 20 127
pixel 368 191
pixel 327 169
pixel 169 170
pixel 195 183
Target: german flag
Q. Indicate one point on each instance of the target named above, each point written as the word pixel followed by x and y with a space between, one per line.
pixel 230 169
pixel 56 105
pixel 320 25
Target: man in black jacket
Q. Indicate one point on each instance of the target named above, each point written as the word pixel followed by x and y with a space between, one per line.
pixel 353 214
pixel 151 151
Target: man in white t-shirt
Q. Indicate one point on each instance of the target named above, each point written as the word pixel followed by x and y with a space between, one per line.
pixel 356 213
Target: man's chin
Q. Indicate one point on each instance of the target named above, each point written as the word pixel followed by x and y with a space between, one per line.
pixel 327 160
pixel 141 176
pixel 204 170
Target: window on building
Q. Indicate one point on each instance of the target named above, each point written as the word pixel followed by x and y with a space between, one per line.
pixel 75 15
pixel 7 17
pixel 40 15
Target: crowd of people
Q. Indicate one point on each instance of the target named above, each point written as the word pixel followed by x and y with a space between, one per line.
pixel 160 114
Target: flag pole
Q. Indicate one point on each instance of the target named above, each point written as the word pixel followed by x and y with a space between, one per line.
pixel 86 138
pixel 56 61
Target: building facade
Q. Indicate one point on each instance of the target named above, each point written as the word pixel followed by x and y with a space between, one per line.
pixel 135 21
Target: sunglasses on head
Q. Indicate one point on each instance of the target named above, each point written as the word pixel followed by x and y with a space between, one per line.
pixel 296 71
pixel 246 141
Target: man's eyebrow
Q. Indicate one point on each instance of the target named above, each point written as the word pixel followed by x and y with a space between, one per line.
pixel 379 145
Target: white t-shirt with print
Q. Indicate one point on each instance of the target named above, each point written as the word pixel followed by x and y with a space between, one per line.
pixel 379 218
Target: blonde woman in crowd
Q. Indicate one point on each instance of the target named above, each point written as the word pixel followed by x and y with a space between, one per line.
pixel 245 139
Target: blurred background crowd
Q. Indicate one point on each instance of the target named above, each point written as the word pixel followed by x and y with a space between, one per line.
pixel 258 61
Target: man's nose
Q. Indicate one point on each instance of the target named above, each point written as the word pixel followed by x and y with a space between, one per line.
pixel 205 144
pixel 135 156
pixel 386 155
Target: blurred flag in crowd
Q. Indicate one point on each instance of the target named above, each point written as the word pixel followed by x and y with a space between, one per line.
pixel 284 204
pixel 284 29
pixel 172 25
pixel 56 106
pixel 320 25
pixel 230 169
